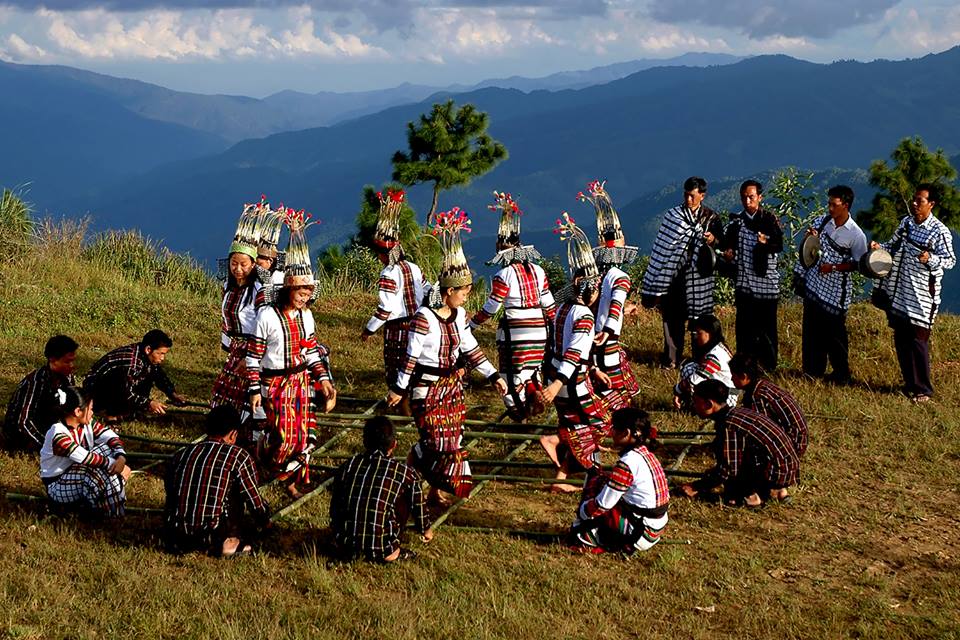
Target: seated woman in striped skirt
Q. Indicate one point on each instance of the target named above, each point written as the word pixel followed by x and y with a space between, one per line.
pixel 711 361
pixel 432 376
pixel 82 462
pixel 625 510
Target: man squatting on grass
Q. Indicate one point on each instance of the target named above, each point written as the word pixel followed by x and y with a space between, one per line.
pixel 208 484
pixel 373 497
pixel 120 381
pixel 35 404
pixel 754 456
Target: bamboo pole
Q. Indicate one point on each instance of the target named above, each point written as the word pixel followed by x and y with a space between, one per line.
pixel 158 441
pixel 153 464
pixel 310 495
pixel 535 480
pixel 497 435
pixel 540 535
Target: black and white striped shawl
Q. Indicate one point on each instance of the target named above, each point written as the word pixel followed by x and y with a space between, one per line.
pixel 914 288
pixel 679 238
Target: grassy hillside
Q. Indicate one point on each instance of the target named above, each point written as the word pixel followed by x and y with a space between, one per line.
pixel 868 548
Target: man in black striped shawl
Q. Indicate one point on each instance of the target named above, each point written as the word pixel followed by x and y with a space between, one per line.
pixel 676 281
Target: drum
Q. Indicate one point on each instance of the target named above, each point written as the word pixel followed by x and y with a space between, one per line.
pixel 876 263
pixel 809 251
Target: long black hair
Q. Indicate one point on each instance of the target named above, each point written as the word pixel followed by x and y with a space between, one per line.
pixel 70 399
pixel 711 324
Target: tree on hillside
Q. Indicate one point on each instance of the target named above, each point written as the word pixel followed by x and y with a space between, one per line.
pixel 913 164
pixel 449 148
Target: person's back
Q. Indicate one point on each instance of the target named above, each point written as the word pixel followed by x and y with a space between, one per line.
pixel 373 497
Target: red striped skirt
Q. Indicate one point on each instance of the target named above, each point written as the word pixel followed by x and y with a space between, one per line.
pixel 439 455
pixel 623 384
pixel 583 424
pixel 230 387
pixel 286 401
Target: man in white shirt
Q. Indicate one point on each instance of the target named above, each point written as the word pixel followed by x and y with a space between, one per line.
pixel 829 288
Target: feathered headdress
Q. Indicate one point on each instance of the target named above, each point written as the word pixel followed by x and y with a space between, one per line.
pixel 509 248
pixel 611 243
pixel 579 252
pixel 245 238
pixel 386 237
pixel 454 271
pixel 269 224
pixel 298 270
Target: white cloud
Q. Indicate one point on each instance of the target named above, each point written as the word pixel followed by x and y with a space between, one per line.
pixel 177 36
pixel 18 49
pixel 911 31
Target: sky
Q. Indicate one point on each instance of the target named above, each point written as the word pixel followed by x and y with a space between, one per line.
pixel 258 47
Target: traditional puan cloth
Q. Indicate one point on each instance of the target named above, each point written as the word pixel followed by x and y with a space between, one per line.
pixel 624 510
pixel 913 290
pixel 583 418
pixel 120 381
pixel 780 406
pixel 522 289
pixel 610 357
pixel 372 498
pixel 401 288
pixel 432 377
pixel 714 364
pixel 833 291
pixel 33 408
pixel 753 455
pixel 74 463
pixel 208 485
pixel 757 284
pixel 282 360
pixel 671 269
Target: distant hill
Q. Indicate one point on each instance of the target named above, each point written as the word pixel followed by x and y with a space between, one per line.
pixel 644 131
pixel 67 138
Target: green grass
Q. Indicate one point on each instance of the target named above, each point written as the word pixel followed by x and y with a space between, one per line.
pixel 867 549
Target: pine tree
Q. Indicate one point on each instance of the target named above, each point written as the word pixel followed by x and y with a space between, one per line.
pixel 448 148
pixel 913 164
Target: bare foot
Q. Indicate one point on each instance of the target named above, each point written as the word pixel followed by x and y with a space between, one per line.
pixel 563 488
pixel 753 500
pixel 231 547
pixel 688 490
pixel 550 444
pixel 293 491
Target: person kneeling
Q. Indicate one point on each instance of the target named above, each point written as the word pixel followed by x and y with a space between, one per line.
pixel 82 462
pixel 625 510
pixel 208 484
pixel 373 496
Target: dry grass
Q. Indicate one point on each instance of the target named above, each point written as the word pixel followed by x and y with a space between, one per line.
pixel 868 548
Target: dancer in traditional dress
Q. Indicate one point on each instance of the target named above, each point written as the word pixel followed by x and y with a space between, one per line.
pixel 522 289
pixel 611 253
pixel 440 343
pixel 755 457
pixel 583 417
pixel 82 462
pixel 119 383
pixel 35 404
pixel 270 261
pixel 238 310
pixel 282 360
pixel 625 511
pixel 710 361
pixel 401 286
pixel 676 280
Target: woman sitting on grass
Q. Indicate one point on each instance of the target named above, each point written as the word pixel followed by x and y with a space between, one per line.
pixel 711 361
pixel 82 462
pixel 625 510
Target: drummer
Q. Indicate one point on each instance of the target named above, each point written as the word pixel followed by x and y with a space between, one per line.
pixel 922 248
pixel 828 287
